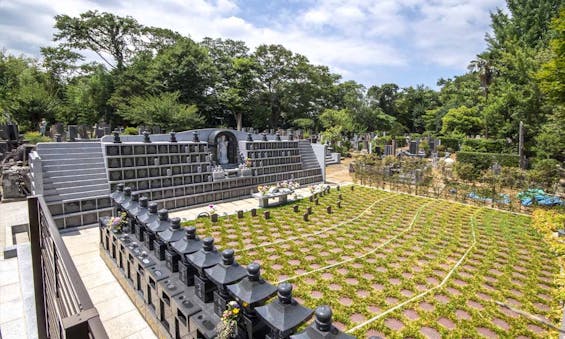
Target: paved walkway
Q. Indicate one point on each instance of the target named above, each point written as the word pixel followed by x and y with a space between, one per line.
pixel 12 307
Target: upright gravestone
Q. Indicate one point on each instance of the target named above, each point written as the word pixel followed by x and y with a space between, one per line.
pixel 73 132
pixel 388 150
pixel 413 148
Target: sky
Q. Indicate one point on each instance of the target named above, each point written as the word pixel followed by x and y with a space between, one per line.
pixel 407 42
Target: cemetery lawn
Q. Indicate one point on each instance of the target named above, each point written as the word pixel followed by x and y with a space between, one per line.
pixel 397 265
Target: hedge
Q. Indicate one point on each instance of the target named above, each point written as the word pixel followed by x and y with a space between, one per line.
pixel 488 146
pixel 483 161
pixel 452 143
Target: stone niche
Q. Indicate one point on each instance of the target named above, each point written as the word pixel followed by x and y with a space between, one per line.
pixel 214 147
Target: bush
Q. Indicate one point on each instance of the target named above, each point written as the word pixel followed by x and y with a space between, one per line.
pixel 450 143
pixel 131 131
pixel 488 146
pixel 545 173
pixel 35 137
pixel 484 161
pixel 466 172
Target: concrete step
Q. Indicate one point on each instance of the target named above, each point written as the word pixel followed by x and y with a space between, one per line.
pixel 76 196
pixel 72 167
pixel 74 177
pixel 71 155
pixel 75 189
pixel 58 173
pixel 57 145
pixel 70 182
pixel 73 161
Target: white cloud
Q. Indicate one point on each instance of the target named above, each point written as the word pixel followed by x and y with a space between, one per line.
pixel 353 37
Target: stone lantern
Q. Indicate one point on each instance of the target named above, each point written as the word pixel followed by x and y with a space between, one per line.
pixel 151 241
pixel 189 244
pixel 205 258
pixel 168 237
pixel 252 291
pixel 322 327
pixel 283 315
pixel 225 273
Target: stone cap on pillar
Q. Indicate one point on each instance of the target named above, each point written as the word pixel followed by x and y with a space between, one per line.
pixel 228 271
pixel 208 255
pixel 252 289
pixel 188 244
pixel 322 327
pixel 284 314
pixel 173 233
pixel 161 223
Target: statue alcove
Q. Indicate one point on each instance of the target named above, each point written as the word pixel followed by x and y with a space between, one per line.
pixel 232 147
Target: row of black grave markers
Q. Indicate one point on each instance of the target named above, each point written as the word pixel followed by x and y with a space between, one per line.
pixel 195 137
pixel 187 283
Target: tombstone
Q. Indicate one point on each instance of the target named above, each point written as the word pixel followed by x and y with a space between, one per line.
pixel 322 327
pixel 117 139
pixel 227 272
pixel 295 208
pixel 107 130
pixel 58 138
pixel 316 201
pixel 305 216
pixel 249 137
pixel 158 225
pixel 207 257
pixel 189 244
pixel 195 137
pixel 138 228
pixel 267 214
pixel 146 138
pixel 338 204
pixel 278 137
pixel 284 315
pixel 309 210
pixel 329 209
pixel 240 214
pixel 251 292
pixel 83 132
pixel 263 136
pixel 389 150
pixel 172 234
pixel 413 147
pixel 393 147
pixel 253 212
pixel 173 137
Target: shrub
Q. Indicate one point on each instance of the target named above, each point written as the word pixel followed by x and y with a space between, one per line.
pixel 35 137
pixel 488 146
pixel 484 161
pixel 131 131
pixel 450 143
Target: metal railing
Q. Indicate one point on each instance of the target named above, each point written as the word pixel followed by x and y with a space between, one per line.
pixel 63 306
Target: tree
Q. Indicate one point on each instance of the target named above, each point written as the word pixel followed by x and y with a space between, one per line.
pixel 163 110
pixel 485 70
pixel 462 120
pixel 103 33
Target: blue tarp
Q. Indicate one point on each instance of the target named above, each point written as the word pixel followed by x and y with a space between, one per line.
pixel 527 198
pixel 502 198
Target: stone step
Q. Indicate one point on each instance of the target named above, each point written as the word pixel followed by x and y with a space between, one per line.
pixel 73 161
pixel 77 196
pixel 71 155
pixel 74 183
pixel 71 167
pixel 69 172
pixel 74 177
pixel 67 145
pixel 75 189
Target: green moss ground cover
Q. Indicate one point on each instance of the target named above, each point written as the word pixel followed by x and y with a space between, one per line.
pixel 397 265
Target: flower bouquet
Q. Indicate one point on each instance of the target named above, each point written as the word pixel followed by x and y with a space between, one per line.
pixel 117 223
pixel 228 324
